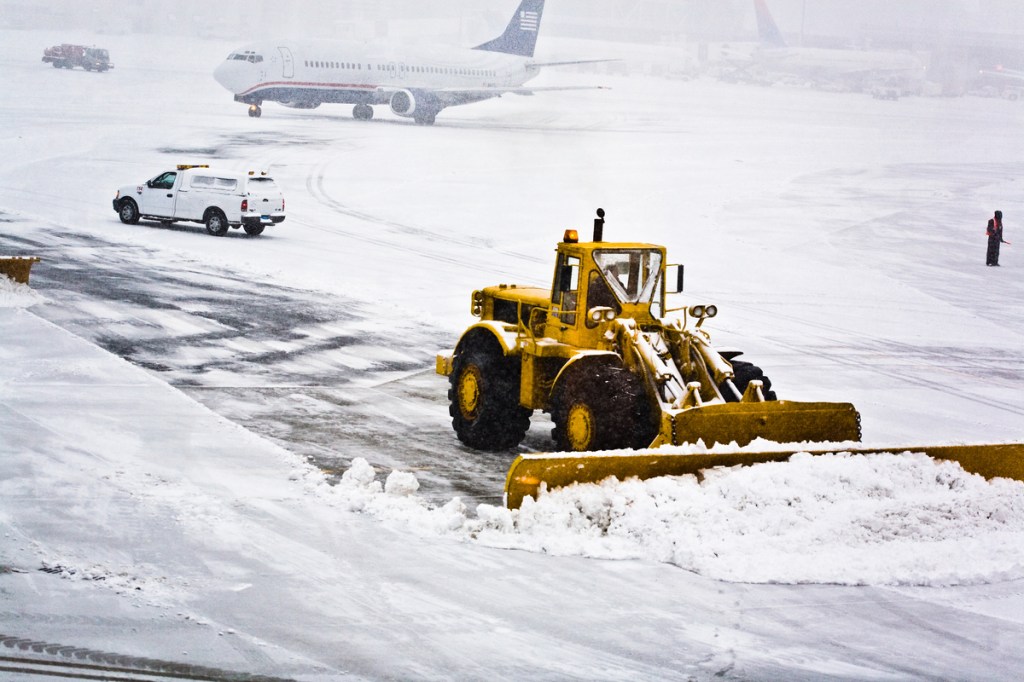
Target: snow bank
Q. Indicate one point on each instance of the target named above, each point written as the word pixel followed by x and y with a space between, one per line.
pixel 16 295
pixel 872 519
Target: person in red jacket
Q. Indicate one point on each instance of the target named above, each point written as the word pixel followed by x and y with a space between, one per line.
pixel 995 238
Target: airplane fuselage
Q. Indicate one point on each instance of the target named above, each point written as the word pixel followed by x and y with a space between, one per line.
pixel 311 72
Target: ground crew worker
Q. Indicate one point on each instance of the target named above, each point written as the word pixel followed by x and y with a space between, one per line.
pixel 995 238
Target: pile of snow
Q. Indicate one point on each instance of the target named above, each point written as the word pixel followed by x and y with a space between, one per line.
pixel 873 519
pixel 16 295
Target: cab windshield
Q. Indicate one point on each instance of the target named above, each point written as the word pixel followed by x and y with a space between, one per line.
pixel 633 274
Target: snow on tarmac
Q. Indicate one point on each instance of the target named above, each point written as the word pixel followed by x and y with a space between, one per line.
pixel 873 519
pixel 841 518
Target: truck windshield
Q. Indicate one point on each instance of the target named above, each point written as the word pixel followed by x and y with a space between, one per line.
pixel 633 274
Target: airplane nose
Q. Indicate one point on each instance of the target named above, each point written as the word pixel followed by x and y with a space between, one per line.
pixel 229 75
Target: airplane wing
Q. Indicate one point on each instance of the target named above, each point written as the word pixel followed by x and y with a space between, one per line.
pixel 452 96
pixel 537 65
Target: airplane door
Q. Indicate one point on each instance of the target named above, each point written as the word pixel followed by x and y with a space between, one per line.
pixel 287 66
pixel 401 71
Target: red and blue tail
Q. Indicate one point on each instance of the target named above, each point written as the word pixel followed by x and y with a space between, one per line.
pixel 520 36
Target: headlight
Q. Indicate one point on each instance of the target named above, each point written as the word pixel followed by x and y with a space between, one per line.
pixel 702 311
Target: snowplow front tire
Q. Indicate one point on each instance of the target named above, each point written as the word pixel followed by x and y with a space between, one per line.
pixel 600 407
pixel 484 396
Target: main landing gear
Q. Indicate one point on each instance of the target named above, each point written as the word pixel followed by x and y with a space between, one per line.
pixel 362 112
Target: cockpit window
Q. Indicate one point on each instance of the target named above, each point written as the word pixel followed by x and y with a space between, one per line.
pixel 251 57
pixel 633 274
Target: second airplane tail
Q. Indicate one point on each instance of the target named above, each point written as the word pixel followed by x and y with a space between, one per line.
pixel 768 33
pixel 520 36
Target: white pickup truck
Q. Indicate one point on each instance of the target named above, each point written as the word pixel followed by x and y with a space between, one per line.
pixel 219 199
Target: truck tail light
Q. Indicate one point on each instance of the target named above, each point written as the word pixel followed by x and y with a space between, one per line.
pixel 245 205
pixel 282 203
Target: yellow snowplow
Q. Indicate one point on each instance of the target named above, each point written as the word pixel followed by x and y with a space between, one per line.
pixel 620 371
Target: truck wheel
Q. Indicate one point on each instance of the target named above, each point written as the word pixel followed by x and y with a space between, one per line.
pixel 600 407
pixel 253 230
pixel 484 396
pixel 128 212
pixel 216 222
pixel 745 372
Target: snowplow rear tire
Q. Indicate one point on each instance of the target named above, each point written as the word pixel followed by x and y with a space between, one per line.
pixel 484 396
pixel 745 372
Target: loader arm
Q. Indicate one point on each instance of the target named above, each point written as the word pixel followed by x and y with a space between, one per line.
pixel 682 373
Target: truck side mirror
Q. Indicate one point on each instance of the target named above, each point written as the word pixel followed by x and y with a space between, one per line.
pixel 674 273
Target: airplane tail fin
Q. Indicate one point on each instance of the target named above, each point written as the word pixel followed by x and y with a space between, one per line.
pixel 520 36
pixel 767 31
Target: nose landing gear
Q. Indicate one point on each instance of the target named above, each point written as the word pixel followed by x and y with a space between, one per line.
pixel 255 111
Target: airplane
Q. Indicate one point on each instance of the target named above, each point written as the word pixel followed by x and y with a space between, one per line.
pixel 1009 82
pixel 853 67
pixel 415 82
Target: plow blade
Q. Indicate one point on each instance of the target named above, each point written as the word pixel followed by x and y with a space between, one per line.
pixel 557 470
pixel 780 421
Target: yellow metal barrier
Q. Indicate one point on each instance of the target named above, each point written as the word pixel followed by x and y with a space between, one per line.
pixel 17 267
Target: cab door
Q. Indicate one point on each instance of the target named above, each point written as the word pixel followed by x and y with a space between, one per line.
pixel 287 63
pixel 563 319
pixel 157 197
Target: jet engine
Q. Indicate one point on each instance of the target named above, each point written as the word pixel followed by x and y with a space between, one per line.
pixel 403 103
pixel 419 105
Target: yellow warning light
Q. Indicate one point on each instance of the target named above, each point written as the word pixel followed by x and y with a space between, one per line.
pixel 186 166
pixel 571 237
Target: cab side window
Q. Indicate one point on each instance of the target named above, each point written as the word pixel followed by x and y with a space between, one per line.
pixel 165 181
pixel 567 288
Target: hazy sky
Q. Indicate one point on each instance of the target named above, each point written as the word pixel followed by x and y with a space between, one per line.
pixel 453 19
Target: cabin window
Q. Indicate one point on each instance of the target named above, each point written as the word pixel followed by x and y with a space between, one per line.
pixel 633 274
pixel 566 291
pixel 599 294
pixel 164 180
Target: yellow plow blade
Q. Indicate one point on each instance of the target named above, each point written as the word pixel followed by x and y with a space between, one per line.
pixel 780 421
pixel 557 470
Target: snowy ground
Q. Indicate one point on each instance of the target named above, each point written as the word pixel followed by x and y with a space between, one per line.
pixel 210 502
